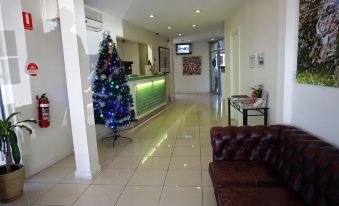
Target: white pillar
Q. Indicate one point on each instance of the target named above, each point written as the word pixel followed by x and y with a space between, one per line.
pixel 74 40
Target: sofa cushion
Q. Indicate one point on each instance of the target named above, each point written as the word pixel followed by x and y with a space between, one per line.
pixel 228 173
pixel 257 195
pixel 242 143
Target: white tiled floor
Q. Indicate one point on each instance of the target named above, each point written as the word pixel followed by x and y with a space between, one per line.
pixel 165 165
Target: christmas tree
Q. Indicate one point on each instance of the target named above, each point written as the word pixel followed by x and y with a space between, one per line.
pixel 112 100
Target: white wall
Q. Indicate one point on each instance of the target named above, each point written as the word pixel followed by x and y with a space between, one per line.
pixel 258 33
pixel 129 51
pixel 313 108
pixel 42 46
pixel 123 29
pixel 193 83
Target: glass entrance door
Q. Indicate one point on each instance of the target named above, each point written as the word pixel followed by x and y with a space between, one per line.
pixel 215 69
pixel 215 72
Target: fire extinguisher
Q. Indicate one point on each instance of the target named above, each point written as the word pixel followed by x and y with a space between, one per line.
pixel 43 107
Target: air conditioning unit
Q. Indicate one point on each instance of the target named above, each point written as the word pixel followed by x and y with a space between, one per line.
pixel 93 20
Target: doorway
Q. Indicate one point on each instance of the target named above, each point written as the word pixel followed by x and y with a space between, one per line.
pixel 216 50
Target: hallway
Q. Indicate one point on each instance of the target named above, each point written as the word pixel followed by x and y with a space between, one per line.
pixel 166 164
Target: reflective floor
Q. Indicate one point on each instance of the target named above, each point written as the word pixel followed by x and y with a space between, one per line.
pixel 166 164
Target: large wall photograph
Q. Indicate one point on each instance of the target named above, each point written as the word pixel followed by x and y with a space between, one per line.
pixel 318 55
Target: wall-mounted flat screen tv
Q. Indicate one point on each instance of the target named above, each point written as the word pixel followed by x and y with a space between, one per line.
pixel 182 49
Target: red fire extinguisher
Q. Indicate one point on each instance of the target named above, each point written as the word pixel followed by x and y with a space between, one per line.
pixel 43 107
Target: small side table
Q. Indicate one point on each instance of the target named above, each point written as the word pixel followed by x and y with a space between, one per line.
pixel 260 111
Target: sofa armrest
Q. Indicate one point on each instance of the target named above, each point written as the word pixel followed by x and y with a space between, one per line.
pixel 243 143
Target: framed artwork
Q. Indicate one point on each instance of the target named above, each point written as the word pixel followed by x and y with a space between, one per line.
pixel 261 60
pixel 192 65
pixel 252 61
pixel 164 60
pixel 318 54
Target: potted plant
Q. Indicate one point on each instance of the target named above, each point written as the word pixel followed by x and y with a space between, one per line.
pixel 12 174
pixel 257 91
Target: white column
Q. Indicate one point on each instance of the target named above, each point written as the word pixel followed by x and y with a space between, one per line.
pixel 74 40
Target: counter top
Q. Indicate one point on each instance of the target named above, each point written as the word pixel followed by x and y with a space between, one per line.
pixel 143 77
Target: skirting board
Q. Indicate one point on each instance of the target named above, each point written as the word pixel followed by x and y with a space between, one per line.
pixel 88 174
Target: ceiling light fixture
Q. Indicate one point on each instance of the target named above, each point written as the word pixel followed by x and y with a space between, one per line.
pixel 198 11
pixel 169 28
pixel 194 25
pixel 212 39
pixel 151 16
pixel 180 34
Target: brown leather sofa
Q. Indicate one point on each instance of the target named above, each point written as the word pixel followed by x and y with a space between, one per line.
pixel 273 166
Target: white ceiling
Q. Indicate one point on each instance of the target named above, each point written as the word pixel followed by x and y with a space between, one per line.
pixel 179 14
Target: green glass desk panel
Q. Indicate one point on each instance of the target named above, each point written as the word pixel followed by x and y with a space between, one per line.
pixel 150 95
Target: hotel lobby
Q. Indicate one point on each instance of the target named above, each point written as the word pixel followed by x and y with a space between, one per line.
pixel 169 103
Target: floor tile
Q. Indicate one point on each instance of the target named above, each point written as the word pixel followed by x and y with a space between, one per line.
pixel 187 143
pixel 124 163
pixel 71 179
pixel 154 163
pixel 188 134
pixel 206 151
pixel 209 197
pixel 205 161
pixel 50 175
pixel 190 128
pixel 62 194
pixel 133 152
pixel 32 191
pixel 161 142
pixel 186 152
pixel 183 178
pixel 181 196
pixel 140 196
pixel 114 176
pixel 162 151
pixel 206 179
pixel 148 177
pixel 172 150
pixel 100 195
pixel 185 163
pixel 67 162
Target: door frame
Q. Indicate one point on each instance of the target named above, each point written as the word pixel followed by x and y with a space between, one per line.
pixel 235 32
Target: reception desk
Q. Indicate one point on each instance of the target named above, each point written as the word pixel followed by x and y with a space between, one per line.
pixel 149 93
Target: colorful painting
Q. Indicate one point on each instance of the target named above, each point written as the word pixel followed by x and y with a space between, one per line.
pixel 192 65
pixel 318 55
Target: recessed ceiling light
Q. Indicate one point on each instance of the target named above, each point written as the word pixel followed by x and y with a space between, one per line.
pixel 169 27
pixel 194 25
pixel 180 34
pixel 151 16
pixel 197 11
pixel 212 39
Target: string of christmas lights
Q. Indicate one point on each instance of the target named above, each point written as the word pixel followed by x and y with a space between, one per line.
pixel 112 100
